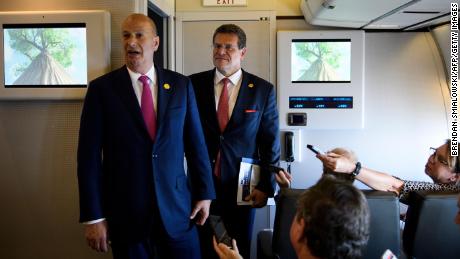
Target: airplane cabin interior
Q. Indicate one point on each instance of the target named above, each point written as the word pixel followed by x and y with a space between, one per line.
pixel 375 77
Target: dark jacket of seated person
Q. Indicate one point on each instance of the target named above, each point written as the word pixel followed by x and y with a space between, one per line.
pixel 332 221
pixel 441 167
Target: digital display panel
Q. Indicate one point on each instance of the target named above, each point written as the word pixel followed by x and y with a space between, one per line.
pixel 320 61
pixel 45 55
pixel 321 102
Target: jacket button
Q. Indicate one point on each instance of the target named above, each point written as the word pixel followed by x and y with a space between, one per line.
pixel 154 156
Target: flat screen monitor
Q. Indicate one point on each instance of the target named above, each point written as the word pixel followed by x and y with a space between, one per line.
pixel 52 54
pixel 321 74
pixel 320 60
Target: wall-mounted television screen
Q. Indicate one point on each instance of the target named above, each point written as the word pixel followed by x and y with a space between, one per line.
pixel 320 60
pixel 45 55
pixel 321 74
pixel 52 54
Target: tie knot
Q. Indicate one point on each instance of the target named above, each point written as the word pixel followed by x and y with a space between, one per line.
pixel 225 81
pixel 144 79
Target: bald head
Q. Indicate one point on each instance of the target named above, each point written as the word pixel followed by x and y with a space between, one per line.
pixel 140 18
pixel 140 41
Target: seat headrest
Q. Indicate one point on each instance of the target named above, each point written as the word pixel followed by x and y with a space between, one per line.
pixel 430 231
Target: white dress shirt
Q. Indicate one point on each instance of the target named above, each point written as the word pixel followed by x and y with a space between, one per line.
pixel 137 85
pixel 233 89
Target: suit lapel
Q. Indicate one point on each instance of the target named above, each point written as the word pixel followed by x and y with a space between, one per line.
pixel 245 96
pixel 165 89
pixel 208 98
pixel 125 90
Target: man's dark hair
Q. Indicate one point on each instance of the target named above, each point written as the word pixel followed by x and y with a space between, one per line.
pixel 336 218
pixel 232 29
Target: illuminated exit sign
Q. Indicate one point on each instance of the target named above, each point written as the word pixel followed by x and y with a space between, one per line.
pixel 225 2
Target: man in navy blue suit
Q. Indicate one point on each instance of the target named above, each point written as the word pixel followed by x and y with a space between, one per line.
pixel 251 131
pixel 137 124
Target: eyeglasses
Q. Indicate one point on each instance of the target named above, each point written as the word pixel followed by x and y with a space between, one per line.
pixel 226 47
pixel 433 152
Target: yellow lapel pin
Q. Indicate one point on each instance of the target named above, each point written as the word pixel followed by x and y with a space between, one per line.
pixel 250 85
pixel 166 86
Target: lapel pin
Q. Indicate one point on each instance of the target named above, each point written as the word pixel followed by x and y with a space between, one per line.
pixel 250 85
pixel 166 86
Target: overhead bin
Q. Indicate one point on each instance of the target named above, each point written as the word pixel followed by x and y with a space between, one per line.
pixel 376 14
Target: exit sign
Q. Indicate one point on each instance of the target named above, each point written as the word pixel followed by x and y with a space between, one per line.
pixel 225 2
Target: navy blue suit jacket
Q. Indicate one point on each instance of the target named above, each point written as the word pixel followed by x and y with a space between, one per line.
pixel 251 132
pixel 123 175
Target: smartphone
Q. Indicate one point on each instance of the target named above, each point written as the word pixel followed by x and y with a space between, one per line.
pixel 218 227
pixel 315 149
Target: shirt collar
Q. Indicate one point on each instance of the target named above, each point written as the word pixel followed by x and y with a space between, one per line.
pixel 235 78
pixel 135 76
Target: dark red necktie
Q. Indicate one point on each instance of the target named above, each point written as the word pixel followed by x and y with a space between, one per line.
pixel 148 110
pixel 222 118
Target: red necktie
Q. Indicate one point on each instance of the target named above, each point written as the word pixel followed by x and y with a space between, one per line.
pixel 222 118
pixel 222 107
pixel 148 111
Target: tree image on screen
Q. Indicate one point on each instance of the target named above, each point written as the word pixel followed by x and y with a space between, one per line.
pixel 322 61
pixel 49 53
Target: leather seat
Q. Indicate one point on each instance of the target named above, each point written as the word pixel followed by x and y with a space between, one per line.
pixel 385 232
pixel 430 230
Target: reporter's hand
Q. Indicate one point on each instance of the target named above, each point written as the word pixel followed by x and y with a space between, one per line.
pixel 283 179
pixel 96 236
pixel 258 198
pixel 336 163
pixel 225 252
pixel 202 210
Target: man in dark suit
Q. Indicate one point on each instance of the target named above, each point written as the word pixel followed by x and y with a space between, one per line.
pixel 240 120
pixel 137 123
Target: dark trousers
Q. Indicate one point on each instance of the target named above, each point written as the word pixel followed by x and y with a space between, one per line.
pixel 160 246
pixel 239 222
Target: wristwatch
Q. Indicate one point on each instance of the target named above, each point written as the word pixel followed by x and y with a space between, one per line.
pixel 357 169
